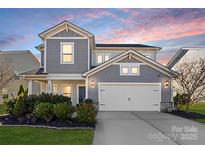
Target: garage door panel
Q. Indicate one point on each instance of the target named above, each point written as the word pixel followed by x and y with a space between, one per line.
pixel 131 97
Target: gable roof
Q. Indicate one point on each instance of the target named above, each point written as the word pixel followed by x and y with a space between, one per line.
pixel 14 52
pixel 40 47
pixel 20 60
pixel 176 58
pixel 126 45
pixel 134 54
pixel 66 25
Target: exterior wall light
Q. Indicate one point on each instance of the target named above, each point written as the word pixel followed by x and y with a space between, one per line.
pixel 92 84
pixel 166 84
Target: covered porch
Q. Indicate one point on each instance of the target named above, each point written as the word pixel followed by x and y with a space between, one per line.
pixel 62 85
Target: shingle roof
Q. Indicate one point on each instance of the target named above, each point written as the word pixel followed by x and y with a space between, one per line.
pixel 36 71
pixel 126 45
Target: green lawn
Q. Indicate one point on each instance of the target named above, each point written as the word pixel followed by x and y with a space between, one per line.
pixel 198 108
pixel 44 136
pixel 2 109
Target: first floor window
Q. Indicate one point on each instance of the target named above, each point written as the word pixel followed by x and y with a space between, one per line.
pixel 67 90
pixel 67 50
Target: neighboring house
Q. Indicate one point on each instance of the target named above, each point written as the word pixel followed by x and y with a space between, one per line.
pixel 185 55
pixel 121 77
pixel 19 61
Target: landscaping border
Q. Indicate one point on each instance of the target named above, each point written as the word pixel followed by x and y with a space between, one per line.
pixel 49 127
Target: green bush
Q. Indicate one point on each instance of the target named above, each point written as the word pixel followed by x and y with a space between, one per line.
pixel 54 99
pixel 44 110
pixel 88 101
pixel 86 113
pixel 180 100
pixel 10 105
pixel 20 107
pixel 63 111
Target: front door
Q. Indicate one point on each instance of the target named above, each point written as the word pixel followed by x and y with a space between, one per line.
pixel 81 92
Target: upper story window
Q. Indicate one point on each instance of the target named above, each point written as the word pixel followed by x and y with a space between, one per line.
pixel 129 69
pixel 67 53
pixel 102 57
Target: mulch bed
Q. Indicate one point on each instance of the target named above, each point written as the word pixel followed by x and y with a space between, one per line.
pixel 189 115
pixel 12 120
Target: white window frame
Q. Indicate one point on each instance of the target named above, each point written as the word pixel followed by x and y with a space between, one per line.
pixel 99 54
pixel 61 52
pixel 121 72
pixel 107 54
pixel 103 57
pixel 129 65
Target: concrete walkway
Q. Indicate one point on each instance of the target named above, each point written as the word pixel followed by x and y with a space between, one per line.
pixel 149 128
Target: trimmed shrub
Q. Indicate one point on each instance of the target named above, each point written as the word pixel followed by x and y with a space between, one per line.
pixel 54 99
pixel 20 107
pixel 86 113
pixel 10 105
pixel 88 101
pixel 44 111
pixel 63 111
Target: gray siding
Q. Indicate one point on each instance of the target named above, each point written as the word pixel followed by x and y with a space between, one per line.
pixel 114 54
pixel 53 64
pixel 68 33
pixel 147 75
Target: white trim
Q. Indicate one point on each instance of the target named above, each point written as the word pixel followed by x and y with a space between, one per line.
pixel 123 55
pixel 45 56
pixel 70 38
pixel 121 70
pixel 61 52
pixel 30 87
pixel 71 85
pixel 137 64
pixel 103 57
pixel 126 48
pixel 79 85
pixel 65 77
pixel 69 27
pixel 86 87
pixel 49 86
pixel 153 67
pixel 132 83
pixel 103 66
pixel 129 66
pixel 89 55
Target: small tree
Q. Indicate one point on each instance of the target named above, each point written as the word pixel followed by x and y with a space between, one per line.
pixel 21 90
pixel 6 74
pixel 191 81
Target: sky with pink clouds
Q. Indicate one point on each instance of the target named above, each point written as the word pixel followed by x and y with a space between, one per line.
pixel 170 29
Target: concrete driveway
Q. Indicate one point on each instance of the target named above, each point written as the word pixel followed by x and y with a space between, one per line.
pixel 149 128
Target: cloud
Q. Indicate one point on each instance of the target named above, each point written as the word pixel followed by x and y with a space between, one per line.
pixel 156 24
pixel 10 39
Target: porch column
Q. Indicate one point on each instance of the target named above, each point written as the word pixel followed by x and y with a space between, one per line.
pixel 49 86
pixel 30 87
pixel 86 87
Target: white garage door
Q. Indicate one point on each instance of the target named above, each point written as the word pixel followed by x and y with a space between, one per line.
pixel 129 96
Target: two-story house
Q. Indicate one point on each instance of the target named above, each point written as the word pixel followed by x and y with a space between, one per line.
pixel 121 77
